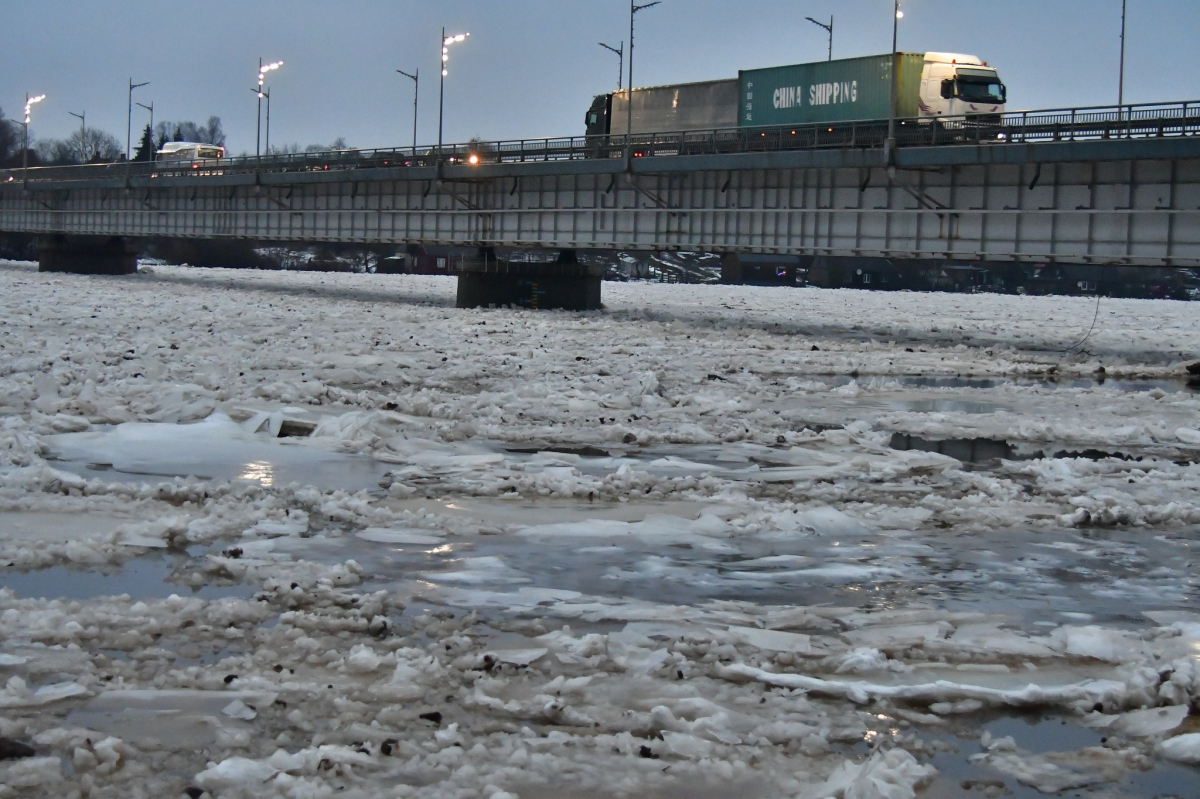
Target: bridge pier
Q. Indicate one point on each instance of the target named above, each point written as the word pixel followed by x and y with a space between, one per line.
pixel 86 255
pixel 564 284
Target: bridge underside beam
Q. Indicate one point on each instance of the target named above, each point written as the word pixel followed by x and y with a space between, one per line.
pixel 86 255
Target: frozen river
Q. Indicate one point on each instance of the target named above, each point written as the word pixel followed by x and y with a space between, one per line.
pixel 303 535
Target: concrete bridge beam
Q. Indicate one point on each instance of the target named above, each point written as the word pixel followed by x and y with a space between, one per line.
pixel 87 255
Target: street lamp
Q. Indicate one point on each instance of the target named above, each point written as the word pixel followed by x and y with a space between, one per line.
pixel 416 79
pixel 267 94
pixel 620 51
pixel 446 42
pixel 890 145
pixel 29 103
pixel 829 28
pixel 1121 84
pixel 263 69
pixel 82 135
pixel 150 108
pixel 129 117
pixel 634 8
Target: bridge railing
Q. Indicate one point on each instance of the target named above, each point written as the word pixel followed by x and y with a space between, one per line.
pixel 1052 125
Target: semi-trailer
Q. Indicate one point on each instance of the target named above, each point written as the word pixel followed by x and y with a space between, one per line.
pixel 929 85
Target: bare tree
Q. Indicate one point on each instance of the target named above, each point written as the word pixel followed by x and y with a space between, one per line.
pixel 10 138
pixel 337 144
pixel 90 145
pixel 56 152
pixel 213 132
pixel 95 145
pixel 208 133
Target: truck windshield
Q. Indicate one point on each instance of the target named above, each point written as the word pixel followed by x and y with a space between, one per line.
pixel 981 90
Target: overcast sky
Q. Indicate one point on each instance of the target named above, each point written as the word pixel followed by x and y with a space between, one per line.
pixel 531 67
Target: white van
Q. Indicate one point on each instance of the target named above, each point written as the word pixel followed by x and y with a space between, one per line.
pixel 188 151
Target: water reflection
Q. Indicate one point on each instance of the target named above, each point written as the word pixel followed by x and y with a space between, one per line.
pixel 260 472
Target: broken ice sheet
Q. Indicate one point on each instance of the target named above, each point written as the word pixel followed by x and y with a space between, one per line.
pixel 486 570
pixel 174 717
pixel 16 694
pixel 705 532
pixel 380 535
pixel 1144 723
pixel 1055 772
pixel 215 447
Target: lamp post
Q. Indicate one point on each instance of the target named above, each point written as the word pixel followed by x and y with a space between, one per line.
pixel 82 135
pixel 416 79
pixel 890 145
pixel 446 42
pixel 620 51
pixel 129 116
pixel 29 103
pixel 265 93
pixel 634 8
pixel 150 108
pixel 263 69
pixel 1121 82
pixel 828 28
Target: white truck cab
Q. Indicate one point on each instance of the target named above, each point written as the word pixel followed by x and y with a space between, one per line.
pixel 958 85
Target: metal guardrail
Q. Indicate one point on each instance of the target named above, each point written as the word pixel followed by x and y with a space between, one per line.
pixel 1054 125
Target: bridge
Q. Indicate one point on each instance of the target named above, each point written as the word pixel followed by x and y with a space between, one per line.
pixel 1090 186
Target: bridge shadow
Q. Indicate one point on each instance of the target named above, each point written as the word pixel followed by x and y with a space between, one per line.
pixel 266 285
pixel 1067 342
pixel 255 280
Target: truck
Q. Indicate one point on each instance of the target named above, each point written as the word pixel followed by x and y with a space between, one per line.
pixel 929 85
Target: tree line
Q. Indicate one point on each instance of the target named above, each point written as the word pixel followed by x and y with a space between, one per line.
pixel 290 149
pixel 95 146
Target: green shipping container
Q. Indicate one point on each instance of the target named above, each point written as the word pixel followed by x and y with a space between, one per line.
pixel 846 90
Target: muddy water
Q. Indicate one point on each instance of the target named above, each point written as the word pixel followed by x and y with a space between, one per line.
pixel 1035 577
pixel 1037 734
pixel 150 577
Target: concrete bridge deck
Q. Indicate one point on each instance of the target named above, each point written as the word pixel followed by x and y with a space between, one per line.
pixel 1118 200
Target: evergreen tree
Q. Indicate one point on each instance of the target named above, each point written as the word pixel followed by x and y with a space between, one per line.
pixel 146 149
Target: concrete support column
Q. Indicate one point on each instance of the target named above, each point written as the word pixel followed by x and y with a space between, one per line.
pixel 564 284
pixel 731 269
pixel 86 255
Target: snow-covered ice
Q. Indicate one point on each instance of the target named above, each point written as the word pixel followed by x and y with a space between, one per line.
pixel 710 541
